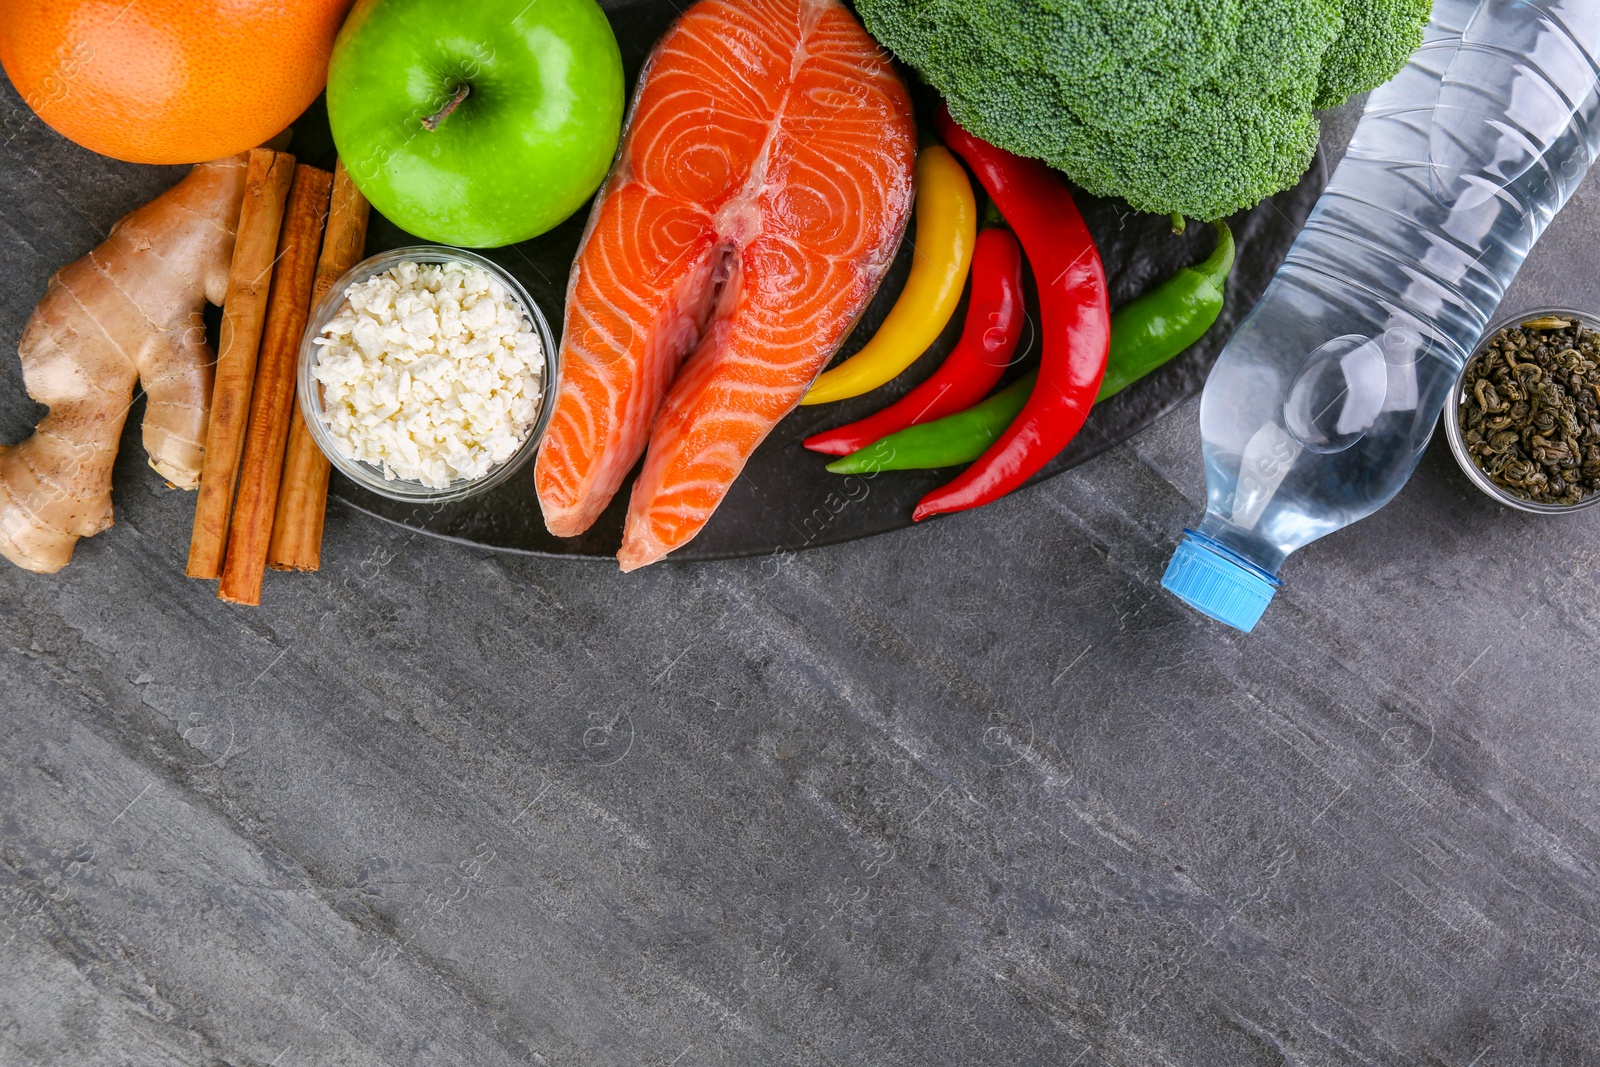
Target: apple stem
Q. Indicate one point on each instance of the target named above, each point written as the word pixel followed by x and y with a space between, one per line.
pixel 431 123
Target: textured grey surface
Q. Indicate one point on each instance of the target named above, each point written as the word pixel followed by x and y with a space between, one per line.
pixel 975 793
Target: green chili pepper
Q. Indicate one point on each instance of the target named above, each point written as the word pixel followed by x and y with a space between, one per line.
pixel 1151 330
pixel 947 442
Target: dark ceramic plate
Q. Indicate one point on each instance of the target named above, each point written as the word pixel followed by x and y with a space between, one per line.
pixel 785 500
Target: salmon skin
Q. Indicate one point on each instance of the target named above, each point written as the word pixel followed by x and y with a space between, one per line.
pixel 761 189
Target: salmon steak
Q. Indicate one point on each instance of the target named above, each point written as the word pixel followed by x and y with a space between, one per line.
pixel 761 189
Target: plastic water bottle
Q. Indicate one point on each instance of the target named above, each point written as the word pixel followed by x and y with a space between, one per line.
pixel 1321 404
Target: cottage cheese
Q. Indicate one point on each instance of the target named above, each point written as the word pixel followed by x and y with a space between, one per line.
pixel 430 372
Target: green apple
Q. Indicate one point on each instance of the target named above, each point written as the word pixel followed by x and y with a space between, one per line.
pixel 476 122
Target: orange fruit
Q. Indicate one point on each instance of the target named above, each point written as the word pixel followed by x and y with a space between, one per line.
pixel 168 81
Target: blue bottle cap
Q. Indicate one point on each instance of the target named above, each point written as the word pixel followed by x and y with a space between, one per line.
pixel 1216 582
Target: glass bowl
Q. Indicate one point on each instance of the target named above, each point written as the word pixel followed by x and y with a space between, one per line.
pixel 371 477
pixel 1452 421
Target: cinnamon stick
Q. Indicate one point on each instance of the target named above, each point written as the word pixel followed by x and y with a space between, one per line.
pixel 303 495
pixel 273 396
pixel 302 502
pixel 243 314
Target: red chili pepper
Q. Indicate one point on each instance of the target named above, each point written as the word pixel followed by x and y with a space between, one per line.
pixel 1074 321
pixel 988 338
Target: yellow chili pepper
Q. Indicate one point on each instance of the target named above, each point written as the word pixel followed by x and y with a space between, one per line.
pixel 947 229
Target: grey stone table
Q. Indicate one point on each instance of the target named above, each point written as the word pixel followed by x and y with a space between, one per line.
pixel 974 793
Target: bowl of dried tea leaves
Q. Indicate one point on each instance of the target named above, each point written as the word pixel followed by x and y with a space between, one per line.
pixel 1524 416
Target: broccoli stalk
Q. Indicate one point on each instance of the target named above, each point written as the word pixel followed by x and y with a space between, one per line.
pixel 1186 107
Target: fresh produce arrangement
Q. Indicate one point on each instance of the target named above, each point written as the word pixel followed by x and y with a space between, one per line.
pixel 744 216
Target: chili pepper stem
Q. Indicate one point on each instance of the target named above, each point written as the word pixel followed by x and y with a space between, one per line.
pixel 1220 263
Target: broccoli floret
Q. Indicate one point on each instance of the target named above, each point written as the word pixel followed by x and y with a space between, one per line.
pixel 1377 39
pixel 1199 107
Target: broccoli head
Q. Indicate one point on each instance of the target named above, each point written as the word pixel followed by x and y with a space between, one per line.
pixel 1198 107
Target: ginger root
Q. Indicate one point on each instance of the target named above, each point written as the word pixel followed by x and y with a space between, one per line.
pixel 128 311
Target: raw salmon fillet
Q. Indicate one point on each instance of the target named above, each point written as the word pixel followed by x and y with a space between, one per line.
pixel 761 190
